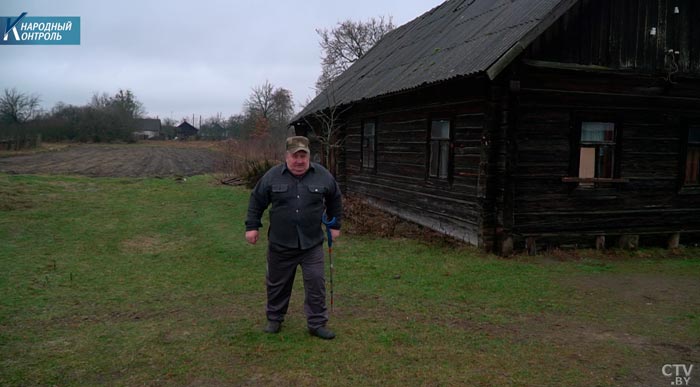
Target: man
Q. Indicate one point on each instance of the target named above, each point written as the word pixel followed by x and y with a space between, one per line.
pixel 299 191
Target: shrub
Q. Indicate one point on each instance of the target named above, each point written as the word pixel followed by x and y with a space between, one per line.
pixel 246 161
pixel 253 171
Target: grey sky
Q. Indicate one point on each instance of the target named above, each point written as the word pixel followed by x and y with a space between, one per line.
pixel 184 57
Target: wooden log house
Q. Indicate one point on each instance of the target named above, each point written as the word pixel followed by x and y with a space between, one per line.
pixel 529 123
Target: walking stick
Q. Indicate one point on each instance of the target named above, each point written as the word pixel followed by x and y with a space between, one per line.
pixel 328 224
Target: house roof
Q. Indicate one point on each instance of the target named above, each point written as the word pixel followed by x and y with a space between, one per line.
pixel 147 124
pixel 186 125
pixel 455 39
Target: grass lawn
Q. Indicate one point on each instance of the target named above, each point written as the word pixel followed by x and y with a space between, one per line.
pixel 150 282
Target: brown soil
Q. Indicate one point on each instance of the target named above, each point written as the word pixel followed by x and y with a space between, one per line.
pixel 122 160
pixel 359 218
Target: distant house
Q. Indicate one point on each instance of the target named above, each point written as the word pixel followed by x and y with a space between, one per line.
pixel 530 123
pixel 185 130
pixel 147 128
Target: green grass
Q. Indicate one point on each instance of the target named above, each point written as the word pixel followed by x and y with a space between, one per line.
pixel 150 282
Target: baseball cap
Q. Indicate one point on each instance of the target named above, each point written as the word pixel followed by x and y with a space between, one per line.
pixel 297 143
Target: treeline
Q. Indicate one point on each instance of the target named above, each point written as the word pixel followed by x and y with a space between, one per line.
pixel 104 119
pixel 109 118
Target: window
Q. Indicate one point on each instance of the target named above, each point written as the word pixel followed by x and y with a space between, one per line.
pixel 369 145
pixel 692 158
pixel 597 152
pixel 439 149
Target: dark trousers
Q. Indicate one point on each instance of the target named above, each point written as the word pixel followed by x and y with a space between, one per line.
pixel 281 269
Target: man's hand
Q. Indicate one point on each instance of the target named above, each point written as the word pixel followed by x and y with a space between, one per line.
pixel 335 234
pixel 251 236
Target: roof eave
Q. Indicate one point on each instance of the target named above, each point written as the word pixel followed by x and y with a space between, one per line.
pixel 343 106
pixel 518 47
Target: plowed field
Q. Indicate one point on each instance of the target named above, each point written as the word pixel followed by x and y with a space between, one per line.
pixel 127 160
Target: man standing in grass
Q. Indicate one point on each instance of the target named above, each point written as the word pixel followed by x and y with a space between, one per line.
pixel 299 192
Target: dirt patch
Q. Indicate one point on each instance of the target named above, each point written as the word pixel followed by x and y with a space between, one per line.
pixel 128 160
pixel 360 218
pixel 652 289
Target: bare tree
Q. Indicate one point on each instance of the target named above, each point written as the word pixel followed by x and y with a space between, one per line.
pixel 100 101
pixel 282 105
pixel 282 112
pixel 268 110
pixel 169 122
pixel 329 129
pixel 346 43
pixel 18 108
pixel 126 102
pixel 261 100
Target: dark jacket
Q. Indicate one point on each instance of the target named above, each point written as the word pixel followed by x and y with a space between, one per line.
pixel 297 205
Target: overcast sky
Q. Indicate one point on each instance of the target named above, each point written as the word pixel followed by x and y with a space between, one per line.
pixel 182 58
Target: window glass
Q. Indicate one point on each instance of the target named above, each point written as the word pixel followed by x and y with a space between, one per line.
pixel 597 151
pixel 368 144
pixel 439 149
pixel 434 157
pixel 440 129
pixel 694 135
pixel 597 132
pixel 444 152
pixel 368 129
pixel 606 162
pixel 692 167
pixel 692 160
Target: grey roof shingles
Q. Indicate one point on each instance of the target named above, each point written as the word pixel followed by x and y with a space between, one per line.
pixel 455 39
pixel 148 124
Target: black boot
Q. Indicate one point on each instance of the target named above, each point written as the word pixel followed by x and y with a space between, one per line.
pixel 273 327
pixel 323 333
